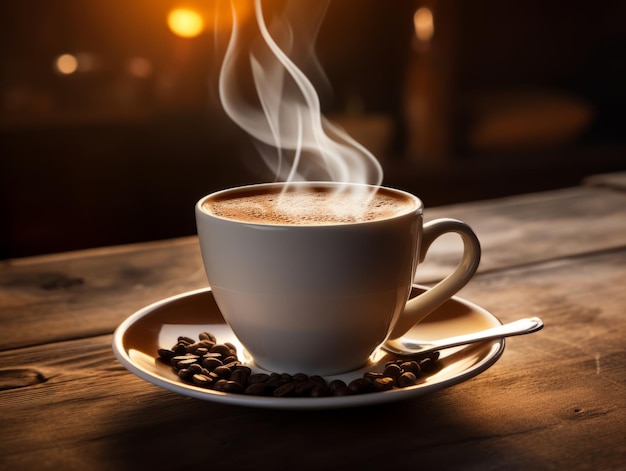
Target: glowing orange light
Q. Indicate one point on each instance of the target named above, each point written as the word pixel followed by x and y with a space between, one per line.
pixel 185 22
pixel 424 24
pixel 66 64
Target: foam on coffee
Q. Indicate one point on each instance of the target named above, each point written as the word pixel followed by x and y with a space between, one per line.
pixel 308 207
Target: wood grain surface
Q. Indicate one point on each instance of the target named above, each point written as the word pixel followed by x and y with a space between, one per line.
pixel 555 400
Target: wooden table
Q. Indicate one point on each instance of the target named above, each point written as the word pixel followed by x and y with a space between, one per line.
pixel 556 399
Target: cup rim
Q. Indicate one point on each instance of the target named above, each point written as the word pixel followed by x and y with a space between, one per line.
pixel 417 209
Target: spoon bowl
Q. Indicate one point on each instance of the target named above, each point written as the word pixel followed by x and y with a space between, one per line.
pixel 405 346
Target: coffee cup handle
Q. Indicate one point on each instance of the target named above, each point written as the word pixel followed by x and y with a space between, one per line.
pixel 421 306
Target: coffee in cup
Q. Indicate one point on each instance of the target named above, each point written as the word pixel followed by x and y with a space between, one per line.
pixel 307 206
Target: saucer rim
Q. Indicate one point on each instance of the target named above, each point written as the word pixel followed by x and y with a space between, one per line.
pixel 496 349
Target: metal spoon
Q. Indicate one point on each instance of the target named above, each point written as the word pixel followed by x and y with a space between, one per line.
pixel 407 346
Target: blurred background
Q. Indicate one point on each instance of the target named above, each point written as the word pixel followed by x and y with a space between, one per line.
pixel 111 128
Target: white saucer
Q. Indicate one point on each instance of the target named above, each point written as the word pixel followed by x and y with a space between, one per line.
pixel 137 339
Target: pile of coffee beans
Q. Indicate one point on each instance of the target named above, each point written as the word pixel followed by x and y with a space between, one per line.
pixel 212 365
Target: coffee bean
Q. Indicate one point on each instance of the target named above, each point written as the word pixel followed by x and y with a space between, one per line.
pixel 208 364
pixel 300 377
pixel 258 389
pixel 275 383
pixel 232 365
pixel 230 359
pixel 393 370
pixel 186 362
pixel 179 348
pixel 258 378
pixel 434 356
pixel 336 384
pixel 406 379
pixel 217 356
pixel 317 379
pixel 206 344
pixel 184 373
pixel 372 375
pixel 222 372
pixel 232 347
pixel 241 374
pixel 187 356
pixel 219 384
pixel 166 354
pixel 284 390
pixel 232 387
pixel 201 380
pixel 302 388
pixel 244 368
pixel 207 336
pixel 342 391
pixel 195 368
pixel 193 347
pixel 213 376
pixel 320 390
pixel 221 349
pixel 383 384
pixel 185 340
pixel 359 386
pixel 411 366
pixel 427 365
pixel 211 363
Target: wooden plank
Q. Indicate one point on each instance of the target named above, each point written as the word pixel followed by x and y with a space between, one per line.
pixel 531 228
pixel 89 293
pixel 555 400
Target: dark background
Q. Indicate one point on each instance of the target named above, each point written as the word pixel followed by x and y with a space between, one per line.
pixel 505 98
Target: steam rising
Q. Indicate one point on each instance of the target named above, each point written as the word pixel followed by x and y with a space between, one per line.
pixel 295 140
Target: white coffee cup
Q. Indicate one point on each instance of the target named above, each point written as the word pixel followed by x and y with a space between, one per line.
pixel 320 298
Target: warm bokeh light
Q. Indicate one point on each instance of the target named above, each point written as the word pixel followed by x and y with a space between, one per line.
pixel 424 24
pixel 185 22
pixel 66 64
pixel 140 67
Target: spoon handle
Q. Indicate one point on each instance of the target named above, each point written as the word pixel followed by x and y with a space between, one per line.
pixel 519 327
